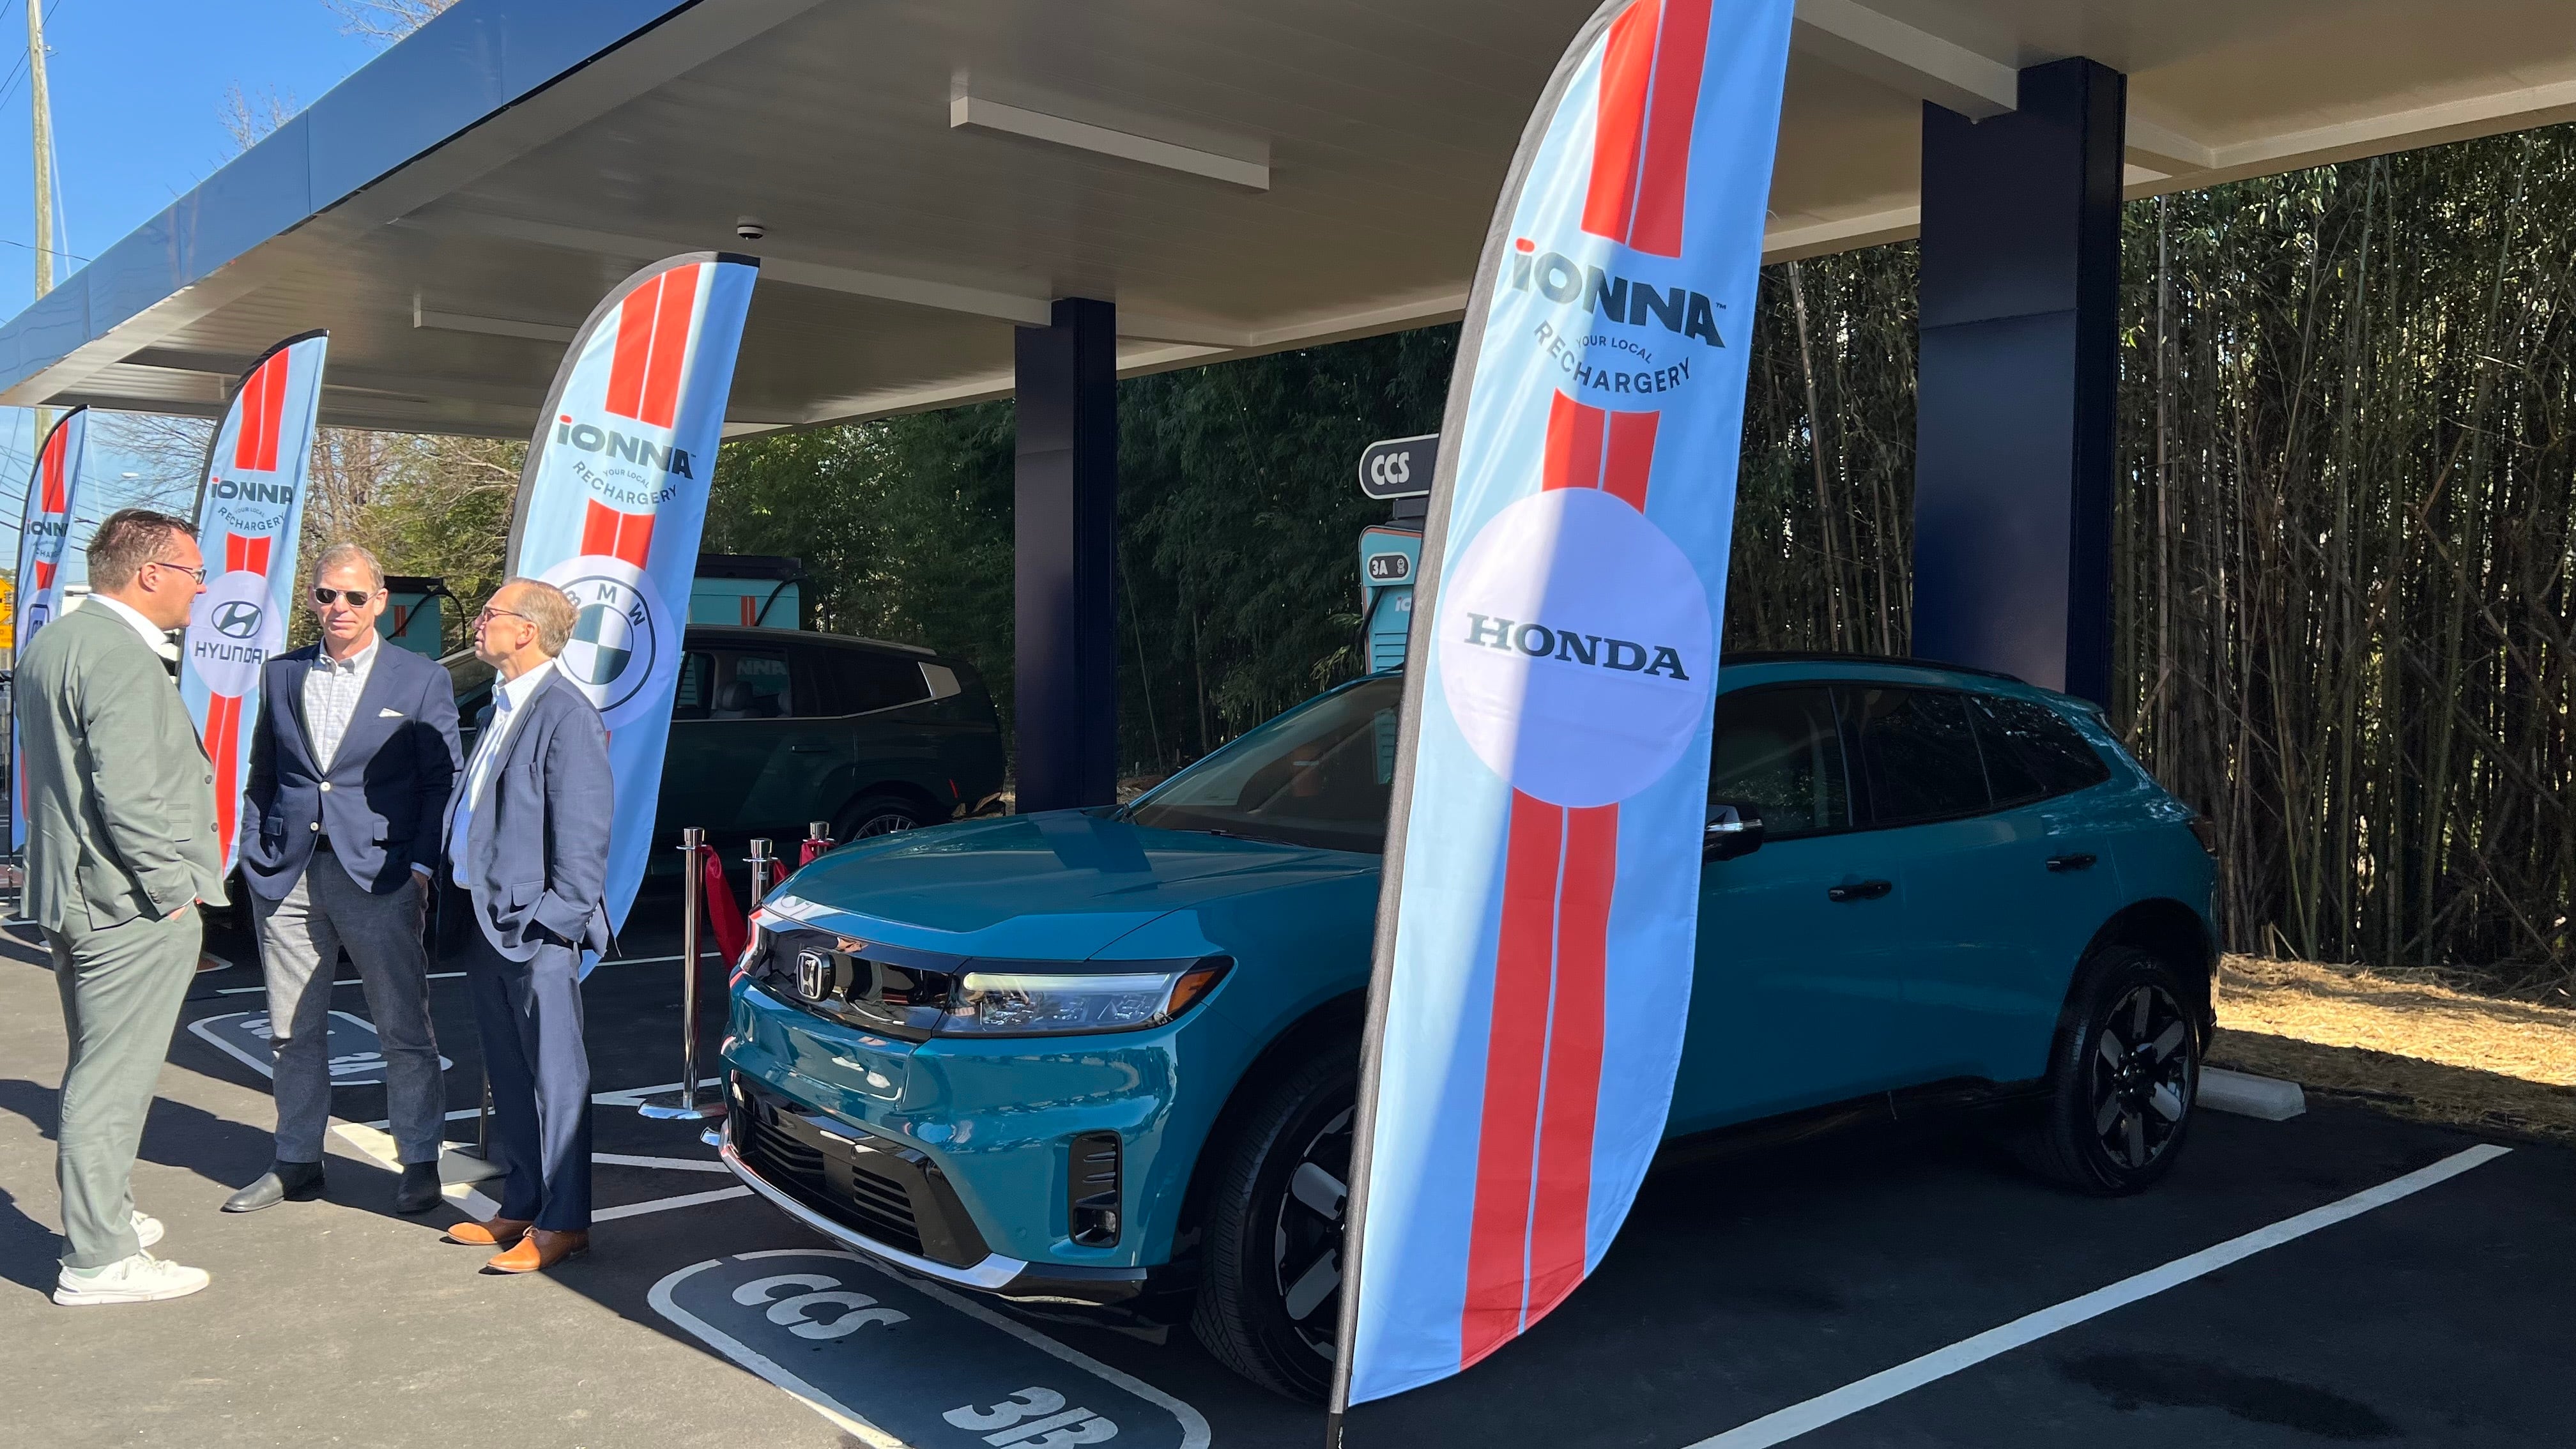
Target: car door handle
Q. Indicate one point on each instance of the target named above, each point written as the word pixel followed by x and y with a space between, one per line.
pixel 2064 863
pixel 1868 890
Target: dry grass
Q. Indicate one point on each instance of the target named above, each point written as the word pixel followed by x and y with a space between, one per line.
pixel 2412 1046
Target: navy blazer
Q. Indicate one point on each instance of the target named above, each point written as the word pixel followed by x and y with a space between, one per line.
pixel 536 863
pixel 385 795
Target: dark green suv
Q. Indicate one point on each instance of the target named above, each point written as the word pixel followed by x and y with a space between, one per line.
pixel 775 728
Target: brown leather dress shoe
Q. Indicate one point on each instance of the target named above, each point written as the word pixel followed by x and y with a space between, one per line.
pixel 540 1250
pixel 498 1233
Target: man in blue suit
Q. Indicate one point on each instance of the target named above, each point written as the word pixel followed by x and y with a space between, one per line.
pixel 351 764
pixel 520 900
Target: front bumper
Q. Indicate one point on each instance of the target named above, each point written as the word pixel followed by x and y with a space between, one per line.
pixel 858 1218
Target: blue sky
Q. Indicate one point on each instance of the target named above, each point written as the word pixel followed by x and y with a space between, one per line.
pixel 138 95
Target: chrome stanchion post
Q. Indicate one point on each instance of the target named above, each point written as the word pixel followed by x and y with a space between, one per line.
pixel 818 838
pixel 684 1103
pixel 764 868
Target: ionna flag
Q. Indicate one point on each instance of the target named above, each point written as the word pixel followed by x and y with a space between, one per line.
pixel 1536 931
pixel 42 530
pixel 250 516
pixel 612 501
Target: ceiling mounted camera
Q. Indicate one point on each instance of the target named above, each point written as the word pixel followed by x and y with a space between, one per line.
pixel 750 229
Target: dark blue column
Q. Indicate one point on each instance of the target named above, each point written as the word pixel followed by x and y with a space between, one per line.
pixel 2018 385
pixel 1065 529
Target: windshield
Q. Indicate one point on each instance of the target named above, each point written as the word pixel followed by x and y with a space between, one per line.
pixel 1319 775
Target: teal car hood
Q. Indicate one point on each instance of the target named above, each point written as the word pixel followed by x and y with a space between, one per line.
pixel 1064 885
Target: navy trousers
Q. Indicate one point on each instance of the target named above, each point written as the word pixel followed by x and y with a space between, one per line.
pixel 529 1015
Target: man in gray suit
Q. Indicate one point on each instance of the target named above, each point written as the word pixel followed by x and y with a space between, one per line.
pixel 350 767
pixel 519 901
pixel 121 849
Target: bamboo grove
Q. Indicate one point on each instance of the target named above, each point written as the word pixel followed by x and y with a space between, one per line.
pixel 2342 538
pixel 2341 558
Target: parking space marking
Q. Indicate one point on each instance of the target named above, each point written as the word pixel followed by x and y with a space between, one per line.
pixel 1783 1425
pixel 665 1204
pixel 671 1164
pixel 246 990
pixel 924 1378
pixel 350 1041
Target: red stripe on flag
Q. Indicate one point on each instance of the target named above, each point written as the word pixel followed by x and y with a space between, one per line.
pixel 44 575
pixel 255 554
pixel 223 729
pixel 55 499
pixel 670 346
pixel 1573 458
pixel 1664 180
pixel 263 407
pixel 605 530
pixel 1631 457
pixel 236 551
pixel 634 352
pixel 1627 65
pixel 1515 1055
pixel 1563 1198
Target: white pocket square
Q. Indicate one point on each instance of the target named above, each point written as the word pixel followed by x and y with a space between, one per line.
pixel 389 714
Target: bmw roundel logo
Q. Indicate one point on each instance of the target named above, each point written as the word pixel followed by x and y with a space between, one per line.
pixel 237 619
pixel 615 653
pixel 813 975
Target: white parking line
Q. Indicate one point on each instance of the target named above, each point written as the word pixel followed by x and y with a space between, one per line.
pixel 245 990
pixel 1786 1424
pixel 665 1204
pixel 673 1164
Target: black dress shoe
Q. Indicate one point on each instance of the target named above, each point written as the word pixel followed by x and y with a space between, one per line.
pixel 301 1181
pixel 419 1191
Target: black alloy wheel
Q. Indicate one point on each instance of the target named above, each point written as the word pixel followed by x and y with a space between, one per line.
pixel 1270 1296
pixel 2124 1076
pixel 878 815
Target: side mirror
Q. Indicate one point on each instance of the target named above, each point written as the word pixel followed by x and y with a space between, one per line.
pixel 1734 828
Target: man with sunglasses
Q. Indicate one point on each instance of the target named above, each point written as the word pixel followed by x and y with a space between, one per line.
pixel 120 852
pixel 350 769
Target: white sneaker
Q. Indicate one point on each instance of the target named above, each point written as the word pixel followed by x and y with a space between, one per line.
pixel 139 1279
pixel 147 1228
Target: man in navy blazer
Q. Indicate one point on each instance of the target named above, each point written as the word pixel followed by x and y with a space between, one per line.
pixel 351 764
pixel 520 899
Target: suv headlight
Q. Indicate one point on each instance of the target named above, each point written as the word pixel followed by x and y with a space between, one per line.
pixel 1038 1003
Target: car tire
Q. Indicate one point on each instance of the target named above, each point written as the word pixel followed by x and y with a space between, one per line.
pixel 874 815
pixel 2123 1078
pixel 1269 1291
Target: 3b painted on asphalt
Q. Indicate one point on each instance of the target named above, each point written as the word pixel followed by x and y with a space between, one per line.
pixel 898 1363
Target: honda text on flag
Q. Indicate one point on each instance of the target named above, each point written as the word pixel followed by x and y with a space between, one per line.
pixel 1103 1061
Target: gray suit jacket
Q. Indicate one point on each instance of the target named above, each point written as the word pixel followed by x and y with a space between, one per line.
pixel 536 861
pixel 120 796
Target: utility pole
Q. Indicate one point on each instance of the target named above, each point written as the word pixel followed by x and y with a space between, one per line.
pixel 44 148
pixel 44 133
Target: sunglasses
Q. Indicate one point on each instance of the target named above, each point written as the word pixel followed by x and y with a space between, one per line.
pixel 357 597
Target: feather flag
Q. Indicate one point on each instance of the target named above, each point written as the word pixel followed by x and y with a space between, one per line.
pixel 250 517
pixel 1536 932
pixel 44 527
pixel 612 501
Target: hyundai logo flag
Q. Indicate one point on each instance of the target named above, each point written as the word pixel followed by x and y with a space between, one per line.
pixel 44 526
pixel 612 501
pixel 250 517
pixel 1536 930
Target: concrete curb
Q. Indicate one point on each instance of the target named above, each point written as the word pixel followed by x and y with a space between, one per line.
pixel 2250 1096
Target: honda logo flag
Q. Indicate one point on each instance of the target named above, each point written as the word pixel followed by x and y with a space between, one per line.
pixel 611 504
pixel 1534 950
pixel 42 530
pixel 250 517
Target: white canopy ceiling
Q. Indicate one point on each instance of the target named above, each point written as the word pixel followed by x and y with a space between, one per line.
pixel 1237 175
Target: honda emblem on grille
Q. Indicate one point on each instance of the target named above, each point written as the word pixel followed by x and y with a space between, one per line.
pixel 813 974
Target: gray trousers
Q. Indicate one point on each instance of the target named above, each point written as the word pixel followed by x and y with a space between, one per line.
pixel 121 987
pixel 300 939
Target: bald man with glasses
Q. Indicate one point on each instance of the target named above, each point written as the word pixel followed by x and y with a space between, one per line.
pixel 351 765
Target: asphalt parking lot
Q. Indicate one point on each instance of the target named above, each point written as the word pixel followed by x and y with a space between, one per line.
pixel 1897 1286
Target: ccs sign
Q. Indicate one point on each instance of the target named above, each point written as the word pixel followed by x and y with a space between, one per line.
pixel 1399 467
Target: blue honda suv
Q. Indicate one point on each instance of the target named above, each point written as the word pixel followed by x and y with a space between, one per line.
pixel 1102 1062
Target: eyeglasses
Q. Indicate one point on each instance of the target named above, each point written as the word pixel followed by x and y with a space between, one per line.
pixel 198 573
pixel 357 597
pixel 489 614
